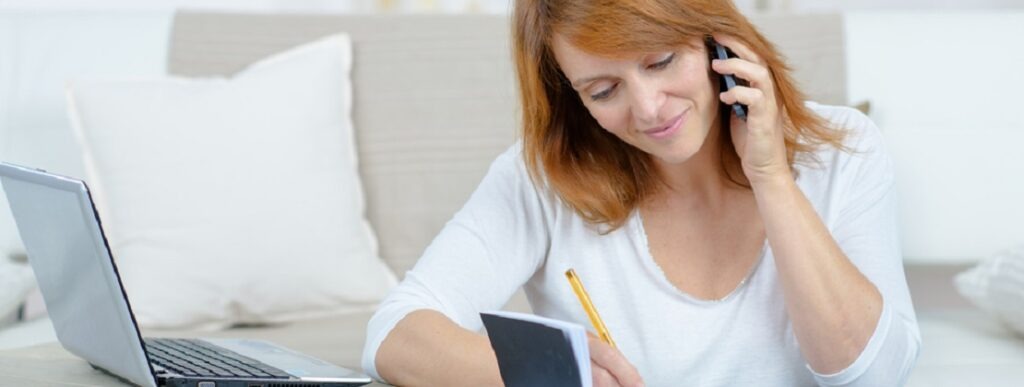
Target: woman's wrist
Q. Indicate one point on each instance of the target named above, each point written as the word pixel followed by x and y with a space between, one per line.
pixel 771 181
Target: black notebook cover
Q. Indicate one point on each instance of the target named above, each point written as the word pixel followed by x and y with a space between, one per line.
pixel 532 354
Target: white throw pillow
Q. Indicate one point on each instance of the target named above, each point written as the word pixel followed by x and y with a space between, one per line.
pixel 16 282
pixel 996 285
pixel 234 200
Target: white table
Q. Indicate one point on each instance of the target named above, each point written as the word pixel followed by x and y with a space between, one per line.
pixel 962 347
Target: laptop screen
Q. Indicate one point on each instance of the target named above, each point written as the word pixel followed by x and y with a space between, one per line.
pixel 75 271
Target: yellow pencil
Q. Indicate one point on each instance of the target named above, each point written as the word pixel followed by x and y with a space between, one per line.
pixel 595 319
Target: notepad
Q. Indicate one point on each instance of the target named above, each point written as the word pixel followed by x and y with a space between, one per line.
pixel 538 351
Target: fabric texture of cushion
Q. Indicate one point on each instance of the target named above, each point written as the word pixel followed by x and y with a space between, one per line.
pixel 229 201
pixel 996 285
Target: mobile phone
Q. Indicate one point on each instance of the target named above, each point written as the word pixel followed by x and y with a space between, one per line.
pixel 726 81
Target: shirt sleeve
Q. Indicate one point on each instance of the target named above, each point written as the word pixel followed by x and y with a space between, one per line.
pixel 866 230
pixel 486 252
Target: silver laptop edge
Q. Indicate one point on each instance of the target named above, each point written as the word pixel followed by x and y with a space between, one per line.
pixel 83 292
pixel 83 295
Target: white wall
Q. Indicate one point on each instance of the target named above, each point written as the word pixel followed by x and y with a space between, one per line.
pixel 151 5
pixel 39 53
pixel 946 89
pixel 876 5
pixel 359 6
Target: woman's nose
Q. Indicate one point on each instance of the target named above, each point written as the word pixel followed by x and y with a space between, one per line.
pixel 646 101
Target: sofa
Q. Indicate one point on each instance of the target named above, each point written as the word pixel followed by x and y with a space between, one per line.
pixel 434 103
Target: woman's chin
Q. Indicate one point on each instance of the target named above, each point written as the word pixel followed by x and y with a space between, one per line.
pixel 676 156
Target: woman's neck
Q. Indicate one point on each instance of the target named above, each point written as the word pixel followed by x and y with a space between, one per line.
pixel 700 181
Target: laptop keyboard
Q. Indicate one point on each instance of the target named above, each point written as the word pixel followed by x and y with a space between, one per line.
pixel 189 357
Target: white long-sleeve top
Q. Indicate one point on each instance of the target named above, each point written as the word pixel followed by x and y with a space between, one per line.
pixel 512 233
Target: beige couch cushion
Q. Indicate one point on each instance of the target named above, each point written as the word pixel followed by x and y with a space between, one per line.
pixel 433 104
pixel 434 97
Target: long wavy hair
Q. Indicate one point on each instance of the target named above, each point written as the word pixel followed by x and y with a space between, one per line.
pixel 598 175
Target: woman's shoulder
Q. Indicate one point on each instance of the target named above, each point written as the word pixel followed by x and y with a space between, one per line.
pixel 861 133
pixel 863 148
pixel 509 171
pixel 512 157
pixel 510 164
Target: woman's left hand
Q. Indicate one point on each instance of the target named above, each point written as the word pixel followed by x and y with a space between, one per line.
pixel 759 141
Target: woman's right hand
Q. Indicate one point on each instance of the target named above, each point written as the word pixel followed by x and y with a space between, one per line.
pixel 609 367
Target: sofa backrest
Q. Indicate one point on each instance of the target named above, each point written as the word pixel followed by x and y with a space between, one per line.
pixel 434 98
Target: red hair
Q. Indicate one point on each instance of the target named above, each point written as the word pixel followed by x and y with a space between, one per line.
pixel 601 177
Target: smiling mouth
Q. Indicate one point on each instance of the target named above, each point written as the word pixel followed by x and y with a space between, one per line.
pixel 667 128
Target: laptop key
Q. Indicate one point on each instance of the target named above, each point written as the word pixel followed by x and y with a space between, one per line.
pixel 276 373
pixel 222 372
pixel 239 372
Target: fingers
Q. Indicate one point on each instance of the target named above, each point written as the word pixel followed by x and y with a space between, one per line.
pixel 756 74
pixel 748 66
pixel 738 47
pixel 759 94
pixel 744 95
pixel 613 362
pixel 602 378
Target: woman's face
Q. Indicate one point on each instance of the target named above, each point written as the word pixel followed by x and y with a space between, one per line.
pixel 661 102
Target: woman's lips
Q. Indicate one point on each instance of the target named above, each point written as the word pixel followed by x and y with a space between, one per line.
pixel 668 129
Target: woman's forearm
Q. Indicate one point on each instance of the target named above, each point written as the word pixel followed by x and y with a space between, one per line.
pixel 428 349
pixel 833 306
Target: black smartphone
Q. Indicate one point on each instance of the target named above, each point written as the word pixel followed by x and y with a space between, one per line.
pixel 726 81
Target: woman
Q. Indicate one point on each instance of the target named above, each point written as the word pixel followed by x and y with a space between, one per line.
pixel 719 252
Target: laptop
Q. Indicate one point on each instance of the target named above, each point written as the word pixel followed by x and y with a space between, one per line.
pixel 93 319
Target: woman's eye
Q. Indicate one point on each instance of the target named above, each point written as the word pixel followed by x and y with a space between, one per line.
pixel 662 63
pixel 603 94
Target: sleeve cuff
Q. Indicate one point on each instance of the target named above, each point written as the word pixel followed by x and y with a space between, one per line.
pixel 866 358
pixel 382 324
